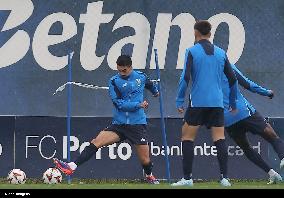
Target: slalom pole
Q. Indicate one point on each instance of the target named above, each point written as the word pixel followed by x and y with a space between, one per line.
pixel 69 103
pixel 162 115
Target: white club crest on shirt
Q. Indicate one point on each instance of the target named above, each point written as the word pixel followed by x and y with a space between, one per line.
pixel 124 85
pixel 138 81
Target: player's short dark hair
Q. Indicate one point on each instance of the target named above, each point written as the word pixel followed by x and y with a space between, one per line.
pixel 124 60
pixel 202 26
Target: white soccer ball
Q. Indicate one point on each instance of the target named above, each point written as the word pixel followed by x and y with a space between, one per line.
pixel 16 176
pixel 52 176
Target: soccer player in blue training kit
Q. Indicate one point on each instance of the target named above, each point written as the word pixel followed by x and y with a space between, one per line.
pixel 248 119
pixel 129 120
pixel 206 64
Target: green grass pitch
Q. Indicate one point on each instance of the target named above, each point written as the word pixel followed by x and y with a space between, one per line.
pixel 137 184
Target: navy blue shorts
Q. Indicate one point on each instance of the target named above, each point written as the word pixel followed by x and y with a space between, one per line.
pixel 136 134
pixel 208 116
pixel 254 124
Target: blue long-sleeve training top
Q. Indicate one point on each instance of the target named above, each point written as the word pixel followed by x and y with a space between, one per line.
pixel 127 95
pixel 206 63
pixel 245 109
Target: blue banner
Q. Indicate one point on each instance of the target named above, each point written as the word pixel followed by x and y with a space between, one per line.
pixel 39 139
pixel 7 154
pixel 36 36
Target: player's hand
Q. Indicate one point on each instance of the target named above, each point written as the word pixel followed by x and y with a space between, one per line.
pixel 180 110
pixel 157 94
pixel 271 94
pixel 144 104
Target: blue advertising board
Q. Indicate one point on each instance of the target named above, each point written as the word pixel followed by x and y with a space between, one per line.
pixel 7 154
pixel 39 139
pixel 44 31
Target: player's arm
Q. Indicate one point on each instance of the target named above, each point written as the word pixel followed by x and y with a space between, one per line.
pixel 151 86
pixel 250 85
pixel 117 100
pixel 184 80
pixel 229 72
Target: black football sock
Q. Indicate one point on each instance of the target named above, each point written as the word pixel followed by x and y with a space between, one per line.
pixel 222 156
pixel 86 154
pixel 148 168
pixel 187 159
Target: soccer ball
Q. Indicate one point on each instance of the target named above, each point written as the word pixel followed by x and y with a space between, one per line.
pixel 16 176
pixel 52 176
